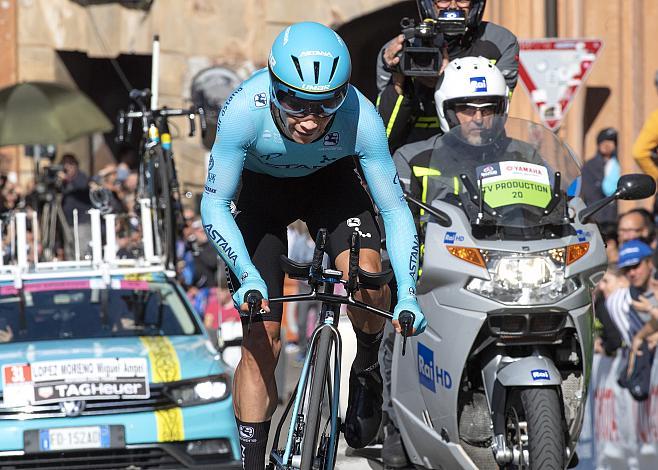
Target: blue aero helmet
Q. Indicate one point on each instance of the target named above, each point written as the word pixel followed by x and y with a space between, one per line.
pixel 309 69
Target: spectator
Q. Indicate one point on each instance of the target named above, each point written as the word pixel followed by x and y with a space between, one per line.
pixel 636 224
pixel 635 263
pixel 204 268
pixel 75 195
pixel 645 148
pixel 608 339
pixel 600 176
pixel 107 179
pixel 75 190
pixel 220 310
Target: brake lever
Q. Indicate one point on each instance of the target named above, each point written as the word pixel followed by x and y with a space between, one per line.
pixel 253 299
pixel 406 320
pixel 202 119
pixel 191 116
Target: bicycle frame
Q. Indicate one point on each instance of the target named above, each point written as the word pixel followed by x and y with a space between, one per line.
pixel 156 139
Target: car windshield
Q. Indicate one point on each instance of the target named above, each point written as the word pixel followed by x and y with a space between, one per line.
pixel 77 309
pixel 505 172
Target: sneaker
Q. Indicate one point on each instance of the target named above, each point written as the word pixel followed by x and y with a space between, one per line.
pixel 364 407
pixel 393 453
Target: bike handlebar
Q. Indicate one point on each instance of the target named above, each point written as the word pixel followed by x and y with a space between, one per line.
pixel 149 115
pixel 332 298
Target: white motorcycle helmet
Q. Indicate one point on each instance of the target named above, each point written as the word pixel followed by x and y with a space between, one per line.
pixel 473 81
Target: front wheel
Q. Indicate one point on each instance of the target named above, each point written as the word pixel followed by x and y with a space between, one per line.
pixel 316 439
pixel 534 424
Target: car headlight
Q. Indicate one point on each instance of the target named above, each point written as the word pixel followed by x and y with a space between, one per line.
pixel 527 278
pixel 199 391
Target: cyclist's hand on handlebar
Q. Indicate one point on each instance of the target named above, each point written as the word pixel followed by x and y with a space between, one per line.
pixel 409 305
pixel 264 307
pixel 240 297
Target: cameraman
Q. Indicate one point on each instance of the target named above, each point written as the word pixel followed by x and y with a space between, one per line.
pixel 405 102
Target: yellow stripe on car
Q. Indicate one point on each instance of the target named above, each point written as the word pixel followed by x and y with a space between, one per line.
pixel 165 367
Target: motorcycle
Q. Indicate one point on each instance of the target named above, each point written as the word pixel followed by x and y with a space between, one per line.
pixel 510 258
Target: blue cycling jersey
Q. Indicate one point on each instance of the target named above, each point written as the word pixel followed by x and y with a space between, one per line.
pixel 248 137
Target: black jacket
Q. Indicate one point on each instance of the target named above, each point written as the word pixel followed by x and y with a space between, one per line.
pixel 75 195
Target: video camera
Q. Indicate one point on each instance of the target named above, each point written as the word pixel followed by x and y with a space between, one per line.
pixel 49 182
pixel 422 49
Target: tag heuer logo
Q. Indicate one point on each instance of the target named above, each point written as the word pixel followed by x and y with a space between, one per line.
pixel 331 139
pixel 260 100
pixel 72 408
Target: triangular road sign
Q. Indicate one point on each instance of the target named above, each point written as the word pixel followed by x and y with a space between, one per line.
pixel 553 71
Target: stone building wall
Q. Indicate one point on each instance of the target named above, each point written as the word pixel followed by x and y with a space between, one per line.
pixel 196 34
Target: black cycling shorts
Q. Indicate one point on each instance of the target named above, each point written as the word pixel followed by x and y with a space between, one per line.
pixel 331 198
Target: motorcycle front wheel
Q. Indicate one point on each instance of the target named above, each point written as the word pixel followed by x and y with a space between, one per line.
pixel 535 428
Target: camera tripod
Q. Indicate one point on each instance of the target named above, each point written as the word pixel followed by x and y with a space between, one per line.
pixel 52 217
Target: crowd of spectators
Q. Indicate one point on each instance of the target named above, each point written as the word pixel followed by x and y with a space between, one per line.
pixel 113 189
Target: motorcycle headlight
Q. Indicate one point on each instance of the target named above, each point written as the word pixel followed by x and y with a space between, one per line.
pixel 199 391
pixel 527 278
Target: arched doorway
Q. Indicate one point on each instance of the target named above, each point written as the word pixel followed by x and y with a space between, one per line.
pixel 366 35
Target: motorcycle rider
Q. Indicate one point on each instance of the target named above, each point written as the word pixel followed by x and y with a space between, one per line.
pixel 458 101
pixel 407 107
pixel 288 135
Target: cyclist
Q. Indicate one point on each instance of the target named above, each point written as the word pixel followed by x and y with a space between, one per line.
pixel 288 132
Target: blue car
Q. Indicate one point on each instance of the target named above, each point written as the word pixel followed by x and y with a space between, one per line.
pixel 109 369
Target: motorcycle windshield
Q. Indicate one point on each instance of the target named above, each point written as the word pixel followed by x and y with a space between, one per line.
pixel 504 172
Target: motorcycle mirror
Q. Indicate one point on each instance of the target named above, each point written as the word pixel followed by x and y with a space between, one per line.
pixel 629 187
pixel 635 186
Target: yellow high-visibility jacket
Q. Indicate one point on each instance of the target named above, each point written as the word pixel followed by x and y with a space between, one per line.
pixel 646 144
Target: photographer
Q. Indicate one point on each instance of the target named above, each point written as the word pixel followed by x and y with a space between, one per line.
pixel 406 101
pixel 75 195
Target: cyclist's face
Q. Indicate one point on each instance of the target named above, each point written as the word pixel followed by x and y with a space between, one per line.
pixel 445 4
pixel 475 119
pixel 306 129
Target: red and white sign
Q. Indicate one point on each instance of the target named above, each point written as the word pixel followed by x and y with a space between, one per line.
pixel 553 70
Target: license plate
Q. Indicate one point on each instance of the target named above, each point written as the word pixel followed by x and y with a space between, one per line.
pixel 88 437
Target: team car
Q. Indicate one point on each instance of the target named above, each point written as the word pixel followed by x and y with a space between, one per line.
pixel 105 365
